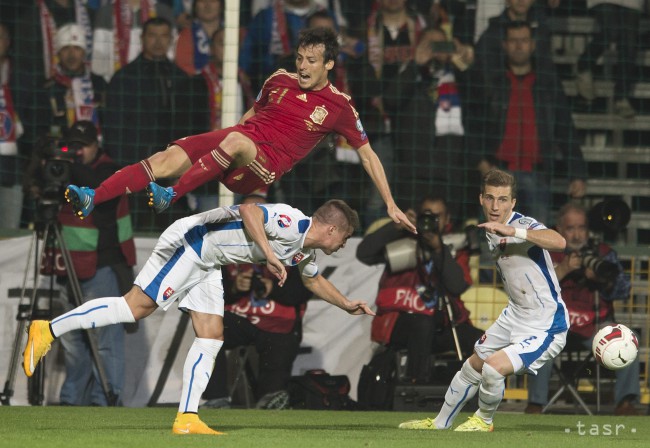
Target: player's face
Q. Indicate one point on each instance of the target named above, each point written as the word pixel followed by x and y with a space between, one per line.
pixel 335 240
pixel 497 203
pixel 312 68
pixel 573 227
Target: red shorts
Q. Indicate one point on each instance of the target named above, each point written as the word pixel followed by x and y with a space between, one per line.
pixel 254 177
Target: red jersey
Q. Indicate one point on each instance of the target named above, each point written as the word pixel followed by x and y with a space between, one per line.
pixel 293 121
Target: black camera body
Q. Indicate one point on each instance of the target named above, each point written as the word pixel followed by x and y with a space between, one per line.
pixel 605 270
pixel 257 286
pixel 57 170
pixel 428 222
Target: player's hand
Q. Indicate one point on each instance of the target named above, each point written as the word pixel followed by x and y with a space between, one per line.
pixel 356 307
pixel 498 228
pixel 276 268
pixel 399 217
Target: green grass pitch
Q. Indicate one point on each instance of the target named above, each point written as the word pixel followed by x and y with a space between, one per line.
pixel 69 427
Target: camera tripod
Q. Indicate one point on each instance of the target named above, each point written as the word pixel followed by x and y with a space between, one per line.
pixel 46 229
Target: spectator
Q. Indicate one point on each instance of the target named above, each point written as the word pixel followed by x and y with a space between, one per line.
pixel 524 118
pixel 393 34
pixel 618 22
pixel 420 323
pixel 490 51
pixel 430 144
pixel 72 93
pixel 35 57
pixel 118 30
pixel 580 288
pixel 11 195
pixel 103 253
pixel 261 313
pixel 271 38
pixel 193 45
pixel 206 197
pixel 148 100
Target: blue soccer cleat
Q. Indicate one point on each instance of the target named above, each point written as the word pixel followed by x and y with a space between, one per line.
pixel 82 200
pixel 159 197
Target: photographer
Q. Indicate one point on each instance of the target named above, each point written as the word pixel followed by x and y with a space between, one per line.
pixel 411 313
pixel 258 312
pixel 584 270
pixel 102 251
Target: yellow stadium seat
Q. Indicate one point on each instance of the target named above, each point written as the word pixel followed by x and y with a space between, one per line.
pixel 484 303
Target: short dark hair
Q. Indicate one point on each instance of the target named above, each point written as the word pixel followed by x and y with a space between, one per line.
pixel 499 178
pixel 433 198
pixel 517 25
pixel 155 21
pixel 337 212
pixel 320 36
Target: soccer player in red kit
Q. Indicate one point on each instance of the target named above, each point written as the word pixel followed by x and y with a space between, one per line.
pixel 292 113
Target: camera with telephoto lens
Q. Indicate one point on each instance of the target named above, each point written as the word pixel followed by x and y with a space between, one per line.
pixel 605 270
pixel 428 222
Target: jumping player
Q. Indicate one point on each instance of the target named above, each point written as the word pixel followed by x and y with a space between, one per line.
pixel 292 113
pixel 186 265
pixel 530 331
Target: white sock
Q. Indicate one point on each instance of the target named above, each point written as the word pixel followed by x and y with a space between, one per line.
pixel 462 389
pixel 196 372
pixel 490 393
pixel 94 313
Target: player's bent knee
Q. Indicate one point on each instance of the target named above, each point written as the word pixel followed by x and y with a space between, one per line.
pixel 171 162
pixel 239 146
pixel 140 304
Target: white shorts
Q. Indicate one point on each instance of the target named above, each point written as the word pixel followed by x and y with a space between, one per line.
pixel 174 271
pixel 527 348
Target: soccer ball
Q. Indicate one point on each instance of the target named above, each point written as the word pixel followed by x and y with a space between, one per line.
pixel 615 347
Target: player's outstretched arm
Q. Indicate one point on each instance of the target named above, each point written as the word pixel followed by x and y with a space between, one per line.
pixel 253 218
pixel 547 239
pixel 324 289
pixel 375 170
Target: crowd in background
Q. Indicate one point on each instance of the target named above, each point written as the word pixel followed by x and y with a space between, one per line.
pixel 445 90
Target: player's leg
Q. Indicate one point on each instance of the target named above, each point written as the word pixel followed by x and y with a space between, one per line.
pixel 234 150
pixel 205 304
pixel 94 313
pixel 133 178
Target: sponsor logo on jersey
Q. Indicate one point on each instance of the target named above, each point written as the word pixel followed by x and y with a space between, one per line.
pixel 525 221
pixel 297 258
pixel 284 221
pixel 168 293
pixel 239 176
pixel 302 97
pixel 319 114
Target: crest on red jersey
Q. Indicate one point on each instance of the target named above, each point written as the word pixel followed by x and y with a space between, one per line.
pixel 319 114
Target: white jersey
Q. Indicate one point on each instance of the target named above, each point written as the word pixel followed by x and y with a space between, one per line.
pixel 218 237
pixel 529 279
pixel 186 262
